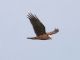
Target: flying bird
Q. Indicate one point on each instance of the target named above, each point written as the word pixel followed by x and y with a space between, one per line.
pixel 39 28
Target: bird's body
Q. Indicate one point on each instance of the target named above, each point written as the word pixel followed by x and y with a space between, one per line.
pixel 39 28
pixel 41 37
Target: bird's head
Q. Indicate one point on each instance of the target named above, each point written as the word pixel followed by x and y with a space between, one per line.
pixel 50 37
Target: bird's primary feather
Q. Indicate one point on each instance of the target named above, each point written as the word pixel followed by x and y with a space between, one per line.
pixel 38 27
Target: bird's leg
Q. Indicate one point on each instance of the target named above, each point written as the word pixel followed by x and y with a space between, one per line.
pixel 32 38
pixel 53 32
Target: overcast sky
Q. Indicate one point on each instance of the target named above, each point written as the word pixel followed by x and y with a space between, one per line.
pixel 15 28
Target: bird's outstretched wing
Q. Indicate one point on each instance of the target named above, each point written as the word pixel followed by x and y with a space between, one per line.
pixel 56 30
pixel 38 27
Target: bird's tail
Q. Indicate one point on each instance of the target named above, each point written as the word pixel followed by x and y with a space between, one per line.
pixel 53 32
pixel 32 38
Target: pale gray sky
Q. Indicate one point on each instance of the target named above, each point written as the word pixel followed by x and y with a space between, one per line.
pixel 15 27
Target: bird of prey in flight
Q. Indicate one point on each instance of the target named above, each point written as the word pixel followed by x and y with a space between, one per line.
pixel 39 28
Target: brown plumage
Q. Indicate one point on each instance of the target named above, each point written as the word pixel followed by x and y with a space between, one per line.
pixel 39 28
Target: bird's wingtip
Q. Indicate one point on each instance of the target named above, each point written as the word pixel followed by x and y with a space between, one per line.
pixel 56 30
